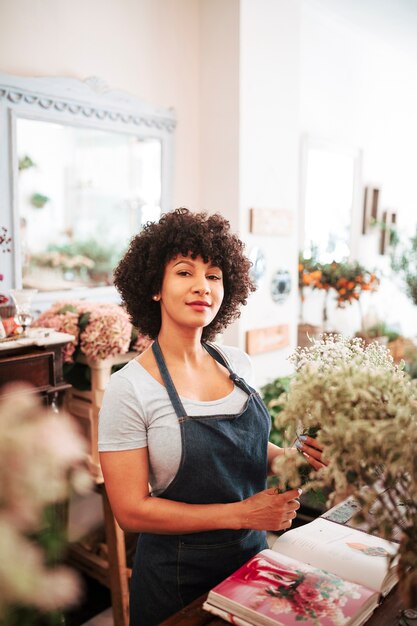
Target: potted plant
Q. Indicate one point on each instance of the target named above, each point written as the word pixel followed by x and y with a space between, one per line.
pixel 347 279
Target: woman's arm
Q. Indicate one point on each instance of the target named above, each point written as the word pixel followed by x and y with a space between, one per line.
pixel 126 479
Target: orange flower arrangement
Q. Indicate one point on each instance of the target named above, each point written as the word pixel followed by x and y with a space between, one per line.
pixel 349 280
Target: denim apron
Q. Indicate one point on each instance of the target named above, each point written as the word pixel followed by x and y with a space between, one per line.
pixel 224 459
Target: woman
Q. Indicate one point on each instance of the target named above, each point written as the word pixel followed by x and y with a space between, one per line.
pixel 183 438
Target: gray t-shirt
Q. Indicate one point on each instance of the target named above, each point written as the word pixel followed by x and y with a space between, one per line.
pixel 136 412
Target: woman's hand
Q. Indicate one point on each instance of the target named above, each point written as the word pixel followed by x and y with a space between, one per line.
pixel 312 451
pixel 270 510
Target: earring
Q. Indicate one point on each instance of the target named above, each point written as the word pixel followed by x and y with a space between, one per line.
pixel 156 298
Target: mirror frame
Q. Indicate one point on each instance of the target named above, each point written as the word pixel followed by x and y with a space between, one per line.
pixel 88 103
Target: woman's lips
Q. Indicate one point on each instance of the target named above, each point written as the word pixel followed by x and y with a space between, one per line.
pixel 199 305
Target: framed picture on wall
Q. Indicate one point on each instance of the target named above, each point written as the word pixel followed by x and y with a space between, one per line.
pixel 370 208
pixel 388 224
pixel 260 340
pixel 278 222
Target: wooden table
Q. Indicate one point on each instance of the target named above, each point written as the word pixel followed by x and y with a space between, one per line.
pixel 194 615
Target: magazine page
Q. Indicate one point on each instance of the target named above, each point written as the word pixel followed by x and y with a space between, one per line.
pixel 347 552
pixel 272 589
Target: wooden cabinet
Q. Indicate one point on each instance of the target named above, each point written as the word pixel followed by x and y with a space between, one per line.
pixel 38 364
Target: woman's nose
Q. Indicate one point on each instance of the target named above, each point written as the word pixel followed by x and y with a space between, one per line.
pixel 201 286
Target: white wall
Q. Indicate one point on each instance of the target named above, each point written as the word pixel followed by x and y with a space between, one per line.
pixel 269 130
pixel 219 108
pixel 149 48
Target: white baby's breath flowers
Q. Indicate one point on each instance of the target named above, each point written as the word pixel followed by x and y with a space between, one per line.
pixel 336 350
pixel 365 408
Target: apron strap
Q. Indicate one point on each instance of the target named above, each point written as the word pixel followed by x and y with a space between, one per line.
pixel 221 358
pixel 215 352
pixel 166 377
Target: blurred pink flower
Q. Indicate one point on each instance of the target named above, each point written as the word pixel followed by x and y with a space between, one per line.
pixel 40 453
pixel 107 333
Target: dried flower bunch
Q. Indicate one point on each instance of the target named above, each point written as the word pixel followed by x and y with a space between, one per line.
pixel 365 408
pixel 41 457
pixel 349 280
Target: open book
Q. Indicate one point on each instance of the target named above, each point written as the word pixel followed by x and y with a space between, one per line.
pixel 320 573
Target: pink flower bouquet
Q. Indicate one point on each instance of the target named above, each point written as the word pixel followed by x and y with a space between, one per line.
pixel 100 330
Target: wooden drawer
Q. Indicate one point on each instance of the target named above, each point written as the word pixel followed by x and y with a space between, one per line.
pixel 37 369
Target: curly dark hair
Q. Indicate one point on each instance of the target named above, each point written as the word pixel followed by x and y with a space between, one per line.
pixel 139 274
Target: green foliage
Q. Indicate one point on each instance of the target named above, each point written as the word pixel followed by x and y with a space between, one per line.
pixel 51 537
pixel 404 262
pixel 83 321
pixel 38 200
pixel 23 616
pixel 67 308
pixel 411 369
pixel 105 256
pixel 381 329
pixel 26 163
pixel 78 375
pixel 271 393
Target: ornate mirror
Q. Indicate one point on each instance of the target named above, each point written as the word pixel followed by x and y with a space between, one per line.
pixel 82 168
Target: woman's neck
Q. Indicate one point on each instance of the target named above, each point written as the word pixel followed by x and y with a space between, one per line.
pixel 184 347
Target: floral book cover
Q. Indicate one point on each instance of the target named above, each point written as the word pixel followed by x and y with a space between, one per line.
pixel 274 589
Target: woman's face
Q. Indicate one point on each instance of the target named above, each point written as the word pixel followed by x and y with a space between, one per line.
pixel 192 292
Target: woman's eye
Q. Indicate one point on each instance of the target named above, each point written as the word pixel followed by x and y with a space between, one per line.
pixel 214 277
pixel 184 273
